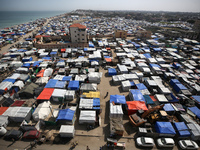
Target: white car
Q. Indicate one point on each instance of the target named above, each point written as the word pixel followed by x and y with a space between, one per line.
pixel 188 144
pixel 145 142
pixel 165 142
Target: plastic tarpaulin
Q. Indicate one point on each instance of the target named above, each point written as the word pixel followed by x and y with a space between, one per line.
pixel 147 55
pixel 91 94
pixel 112 71
pixel 164 128
pixel 148 99
pixel 60 84
pixel 45 94
pixel 51 83
pixel 171 98
pixel 182 129
pixel 195 110
pixel 73 85
pixel 65 114
pixel 134 106
pixel 141 86
pixel 9 80
pixel 118 99
pixel 197 98
pixel 40 74
pixel 168 107
pixel 137 95
pixel 154 65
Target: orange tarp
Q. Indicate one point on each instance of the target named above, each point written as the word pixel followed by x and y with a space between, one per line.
pixel 3 109
pixel 63 50
pixel 134 106
pixel 108 48
pixel 40 74
pixel 153 98
pixel 45 94
pixel 108 59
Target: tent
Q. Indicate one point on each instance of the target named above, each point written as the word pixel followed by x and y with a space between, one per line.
pixel 116 111
pixel 148 100
pixel 91 94
pixel 18 85
pixel 136 95
pixel 169 108
pixel 143 89
pixel 4 121
pixel 87 116
pixel 182 129
pixel 88 87
pixel 67 131
pixel 165 128
pixel 42 111
pixel 94 77
pixel 48 72
pixel 28 91
pixel 195 111
pixel 58 95
pixel 5 86
pixel 69 95
pixel 40 74
pixel 86 103
pixel 42 80
pixel 118 99
pixel 63 78
pixel 134 106
pixel 73 85
pixel 45 94
pixel 66 115
pixel 2 110
pixel 17 103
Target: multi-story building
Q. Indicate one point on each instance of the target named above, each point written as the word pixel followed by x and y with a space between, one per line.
pixel 143 34
pixel 78 33
pixel 120 34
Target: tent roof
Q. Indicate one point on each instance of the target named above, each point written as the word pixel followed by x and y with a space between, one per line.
pixel 164 128
pixel 65 114
pixel 45 94
pixel 136 105
pixel 119 99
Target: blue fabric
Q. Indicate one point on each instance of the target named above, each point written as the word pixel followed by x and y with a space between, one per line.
pixel 174 81
pixel 141 86
pixel 147 55
pixel 157 49
pixel 66 78
pixel 137 95
pixel 96 102
pixel 53 53
pixel 26 65
pixel 22 50
pixel 176 65
pixel 46 58
pixel 65 114
pixel 27 59
pixel 9 80
pixel 154 65
pixel 51 83
pixel 148 99
pixel 182 129
pixel 73 85
pixel 195 110
pixel 197 98
pixel 168 107
pixel 112 71
pixel 178 87
pixel 173 100
pixel 29 39
pixel 106 56
pixel 132 83
pixel 164 128
pixel 118 99
pixel 85 49
pixel 36 63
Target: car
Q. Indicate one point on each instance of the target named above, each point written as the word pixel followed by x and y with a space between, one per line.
pixel 32 134
pixel 145 141
pixel 13 134
pixel 165 142
pixel 26 128
pixel 188 144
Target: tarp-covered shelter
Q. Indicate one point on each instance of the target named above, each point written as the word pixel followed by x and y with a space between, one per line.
pixel 134 106
pixel 86 103
pixel 165 128
pixel 66 116
pixel 182 129
pixel 112 71
pixel 118 99
pixel 88 87
pixel 87 117
pixel 4 121
pixel 116 111
pixel 28 91
pixel 58 95
pixel 136 95
pixel 46 94
pixel 73 85
pixel 195 111
pixel 5 86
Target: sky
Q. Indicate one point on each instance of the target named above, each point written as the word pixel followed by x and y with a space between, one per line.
pixel 69 5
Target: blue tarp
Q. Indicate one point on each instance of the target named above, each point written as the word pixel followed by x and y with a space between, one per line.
pixel 157 49
pixel 85 49
pixel 164 128
pixel 141 86
pixel 29 39
pixel 171 98
pixel 27 59
pixel 9 39
pixel 46 58
pixel 53 53
pixel 22 50
pixel 148 99
pixel 132 83
pixel 182 129
pixel 176 65
pixel 51 83
pixel 36 63
pixel 65 114
pixel 96 102
pixel 168 107
pixel 195 110
pixel 179 87
pixel 154 65
pixel 147 55
pixel 137 95
pixel 91 44
pixel 118 99
pixel 73 85
pixel 197 98
pixel 112 71
pixel 66 78
pixel 26 65
pixel 174 81
pixel 9 80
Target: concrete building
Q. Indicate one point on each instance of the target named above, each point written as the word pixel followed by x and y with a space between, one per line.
pixel 120 34
pixel 78 33
pixel 143 34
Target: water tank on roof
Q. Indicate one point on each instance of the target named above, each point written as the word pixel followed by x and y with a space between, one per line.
pixel 2 131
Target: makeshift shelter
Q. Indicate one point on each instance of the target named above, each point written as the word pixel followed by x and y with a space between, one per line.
pixel 58 95
pixel 116 126
pixel 194 130
pixel 148 100
pixel 40 74
pixel 46 94
pixel 17 103
pixel 4 121
pixel 116 111
pixel 2 110
pixel 182 129
pixel 5 86
pixel 42 111
pixel 67 131
pixel 66 116
pixel 88 87
pixel 73 85
pixel 117 79
pixel 126 85
pixel 18 85
pixel 48 72
pixel 134 106
pixel 136 95
pixel 143 89
pixel 118 99
pixel 195 111
pixel 165 129
pixel 87 117
pixel 63 78
pixel 91 94
pixel 42 80
pixel 86 103
pixel 28 91
pixel 94 77
pixel 161 98
pixel 169 108
pixel 69 95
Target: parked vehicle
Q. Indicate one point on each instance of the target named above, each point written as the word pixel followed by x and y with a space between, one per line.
pixel 188 144
pixel 145 141
pixel 27 128
pixel 13 134
pixel 32 134
pixel 165 142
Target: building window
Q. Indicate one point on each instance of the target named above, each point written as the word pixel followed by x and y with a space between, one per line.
pixel 74 31
pixel 82 39
pixel 82 34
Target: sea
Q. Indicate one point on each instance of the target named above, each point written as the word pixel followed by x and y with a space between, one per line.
pixel 11 18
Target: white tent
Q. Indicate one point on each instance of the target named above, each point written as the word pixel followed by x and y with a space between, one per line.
pixel 126 85
pixel 88 87
pixel 3 121
pixel 69 95
pixel 88 117
pixel 86 103
pixel 67 131
pixel 4 86
pixel 116 111
pixel 42 80
pixel 58 95
pixel 161 98
pixel 117 79
pixel 42 111
pixel 80 78
pixel 94 77
pixel 22 70
pixel 48 72
pixel 19 84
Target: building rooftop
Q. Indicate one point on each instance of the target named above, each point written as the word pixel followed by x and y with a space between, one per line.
pixel 77 25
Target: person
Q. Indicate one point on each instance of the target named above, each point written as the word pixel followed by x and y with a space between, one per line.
pixel 106 95
pixel 87 148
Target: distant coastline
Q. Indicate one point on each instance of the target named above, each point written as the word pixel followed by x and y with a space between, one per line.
pixel 12 18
